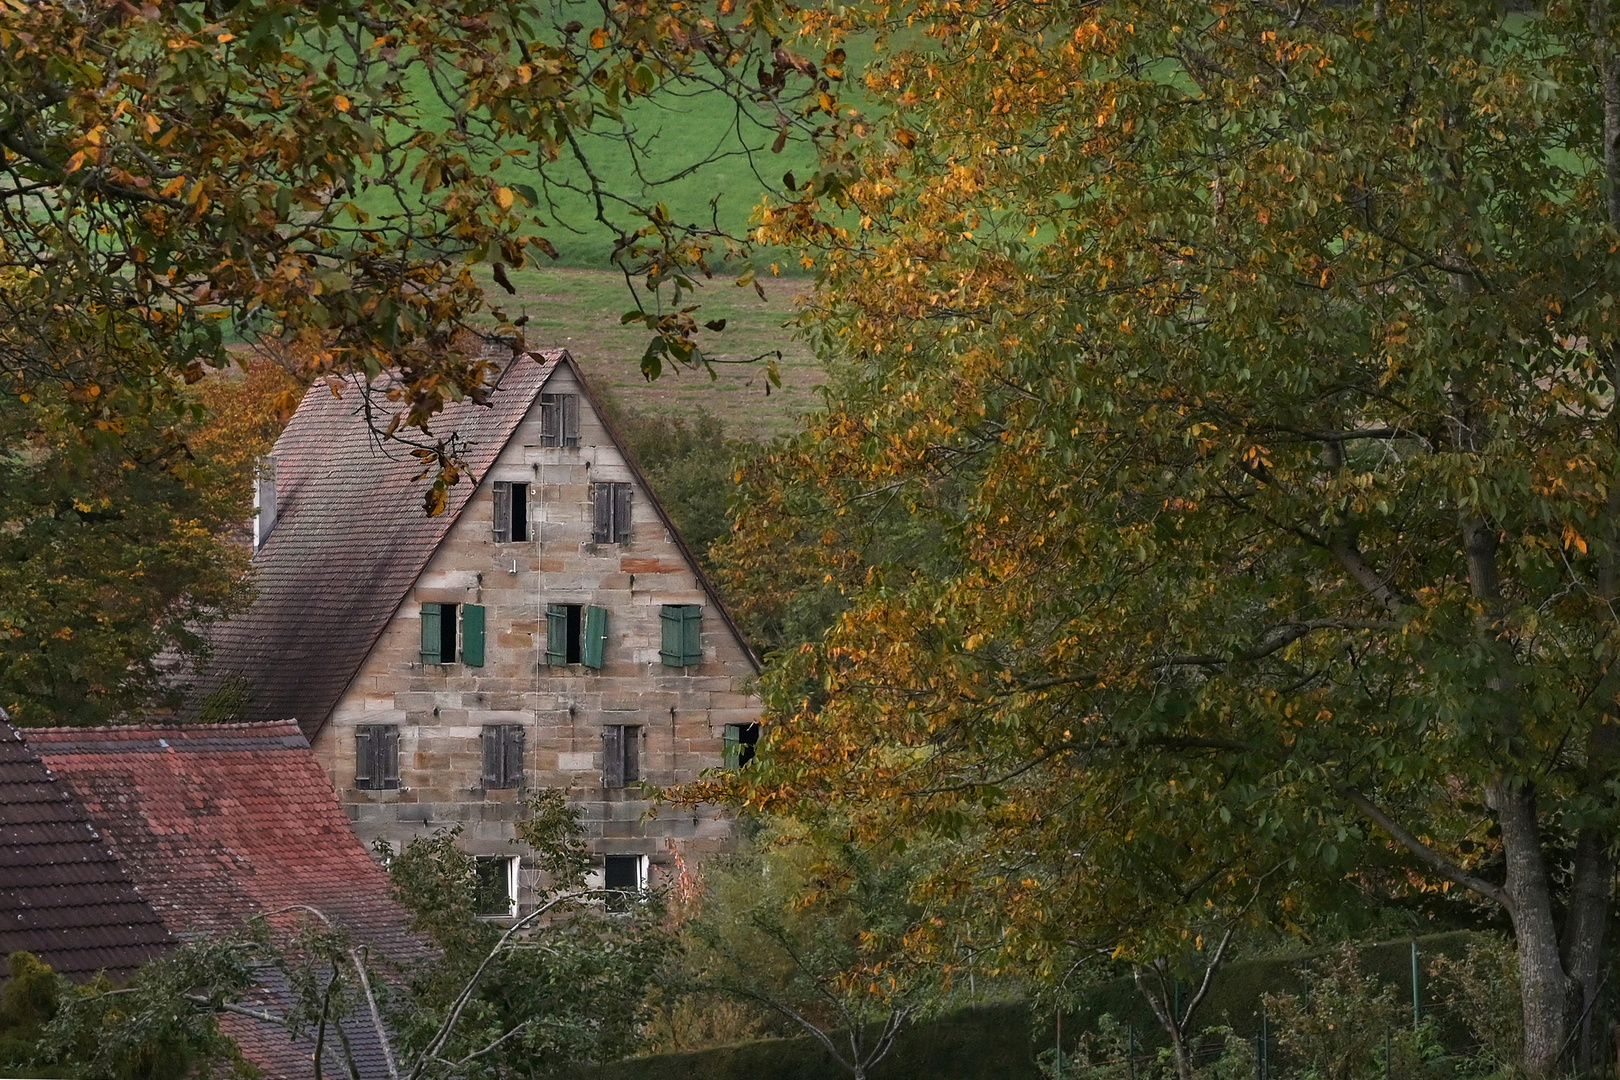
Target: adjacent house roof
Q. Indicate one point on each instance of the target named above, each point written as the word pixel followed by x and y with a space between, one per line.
pixel 217 823
pixel 63 894
pixel 350 539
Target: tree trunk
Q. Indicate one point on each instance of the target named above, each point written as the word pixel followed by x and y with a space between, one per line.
pixel 1544 985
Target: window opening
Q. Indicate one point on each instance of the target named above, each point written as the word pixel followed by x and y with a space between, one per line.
pixel 495 882
pixel 741 739
pixel 511 512
pixel 576 634
pixel 503 755
pixel 610 507
pixel 625 873
pixel 376 756
pixel 559 419
pixel 439 633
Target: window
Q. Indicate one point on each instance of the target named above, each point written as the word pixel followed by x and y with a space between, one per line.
pixel 376 756
pixel 511 512
pixel 495 878
pixel 621 755
pixel 626 873
pixel 683 635
pixel 559 419
pixel 575 634
pixel 439 633
pixel 740 742
pixel 611 505
pixel 503 755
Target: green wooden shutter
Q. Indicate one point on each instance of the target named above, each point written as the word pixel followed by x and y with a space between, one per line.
pixel 556 635
pixel 472 635
pixel 595 637
pixel 691 635
pixel 733 751
pixel 670 617
pixel 431 633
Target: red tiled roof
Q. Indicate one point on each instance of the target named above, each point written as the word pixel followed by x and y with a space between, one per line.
pixel 63 895
pixel 218 823
pixel 350 539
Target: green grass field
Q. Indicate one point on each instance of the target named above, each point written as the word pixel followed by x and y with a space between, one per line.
pixel 579 310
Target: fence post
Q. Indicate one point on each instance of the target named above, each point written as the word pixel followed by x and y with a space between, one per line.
pixel 1060 1042
pixel 1389 1054
pixel 1130 1048
pixel 1265 1044
pixel 1417 1001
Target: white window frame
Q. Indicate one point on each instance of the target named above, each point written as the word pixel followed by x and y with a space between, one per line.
pixel 642 864
pixel 511 862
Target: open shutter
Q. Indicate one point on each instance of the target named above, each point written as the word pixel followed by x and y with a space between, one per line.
pixel 432 614
pixel 472 635
pixel 512 759
pixel 602 513
pixel 556 635
pixel 493 746
pixel 388 763
pixel 570 419
pixel 613 757
pixel 621 513
pixel 691 635
pixel 595 643
pixel 670 618
pixel 365 758
pixel 733 751
pixel 503 511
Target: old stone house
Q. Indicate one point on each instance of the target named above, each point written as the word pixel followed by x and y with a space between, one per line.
pixel 550 629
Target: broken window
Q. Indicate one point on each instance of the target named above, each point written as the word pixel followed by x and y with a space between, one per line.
pixel 621 755
pixel 610 505
pixel 439 622
pixel 376 756
pixel 503 755
pixel 683 635
pixel 559 419
pixel 495 877
pixel 511 512
pixel 740 741
pixel 575 634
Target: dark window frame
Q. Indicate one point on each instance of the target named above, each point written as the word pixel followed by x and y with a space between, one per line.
pixel 559 420
pixel 504 749
pixel 621 755
pixel 511 512
pixel 740 742
pixel 615 866
pixel 682 640
pixel 611 512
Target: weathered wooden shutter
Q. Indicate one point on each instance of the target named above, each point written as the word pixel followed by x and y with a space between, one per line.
pixel 595 644
pixel 550 420
pixel 556 635
pixel 570 419
pixel 621 513
pixel 365 758
pixel 432 633
pixel 632 754
pixel 493 747
pixel 388 757
pixel 613 757
pixel 472 635
pixel 503 511
pixel 602 511
pixel 733 751
pixel 512 757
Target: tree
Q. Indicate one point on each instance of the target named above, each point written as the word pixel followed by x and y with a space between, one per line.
pixel 1257 365
pixel 814 930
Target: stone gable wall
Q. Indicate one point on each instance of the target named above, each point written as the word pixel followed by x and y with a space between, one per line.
pixel 441 709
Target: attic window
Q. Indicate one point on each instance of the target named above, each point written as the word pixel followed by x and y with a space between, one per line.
pixel 511 512
pixel 610 505
pixel 559 419
pixel 496 880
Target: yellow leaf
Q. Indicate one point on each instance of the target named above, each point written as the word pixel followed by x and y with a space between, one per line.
pixel 503 198
pixel 598 38
pixel 340 103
